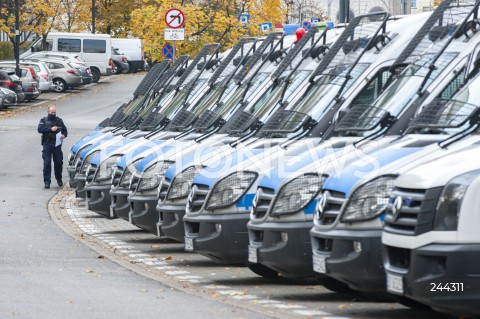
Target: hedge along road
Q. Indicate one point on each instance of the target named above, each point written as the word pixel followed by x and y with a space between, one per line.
pixel 45 273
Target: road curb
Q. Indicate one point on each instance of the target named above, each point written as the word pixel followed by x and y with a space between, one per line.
pixel 58 211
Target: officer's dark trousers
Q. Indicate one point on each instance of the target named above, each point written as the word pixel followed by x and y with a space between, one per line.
pixel 49 151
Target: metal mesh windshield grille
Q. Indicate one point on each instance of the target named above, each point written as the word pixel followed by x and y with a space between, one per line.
pixel 152 121
pixel 182 120
pixel 163 82
pixel 151 76
pixel 240 123
pixel 437 31
pixel 192 71
pixel 351 43
pixel 295 55
pixel 250 67
pixel 444 114
pixel 206 120
pixel 285 122
pixel 361 118
pixel 227 66
pixel 117 118
pixel 131 121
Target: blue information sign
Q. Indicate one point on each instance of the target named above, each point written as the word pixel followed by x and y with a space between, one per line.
pixel 266 27
pixel 306 25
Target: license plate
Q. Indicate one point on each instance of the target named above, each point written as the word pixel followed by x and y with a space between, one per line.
pixel 319 264
pixel 252 255
pixel 395 283
pixel 188 244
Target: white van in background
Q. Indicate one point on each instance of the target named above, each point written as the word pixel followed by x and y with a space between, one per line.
pixel 94 49
pixel 133 51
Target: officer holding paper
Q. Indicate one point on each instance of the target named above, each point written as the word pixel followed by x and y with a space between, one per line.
pixel 53 132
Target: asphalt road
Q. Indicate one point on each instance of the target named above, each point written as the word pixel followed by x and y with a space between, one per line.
pixel 45 273
pixel 99 268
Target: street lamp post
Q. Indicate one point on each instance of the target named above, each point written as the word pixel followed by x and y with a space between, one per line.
pixel 17 38
pixel 93 16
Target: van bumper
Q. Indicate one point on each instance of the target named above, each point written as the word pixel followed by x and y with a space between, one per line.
pixel 223 238
pixel 420 272
pixel 283 247
pixel 344 250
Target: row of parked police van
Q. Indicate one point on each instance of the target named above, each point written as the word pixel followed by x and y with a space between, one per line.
pixel 349 155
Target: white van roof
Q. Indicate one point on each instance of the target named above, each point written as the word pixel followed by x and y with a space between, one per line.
pixel 79 35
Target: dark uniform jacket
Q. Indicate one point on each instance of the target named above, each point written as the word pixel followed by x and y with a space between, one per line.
pixel 45 128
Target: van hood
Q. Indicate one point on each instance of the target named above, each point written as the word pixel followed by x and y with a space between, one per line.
pixel 438 172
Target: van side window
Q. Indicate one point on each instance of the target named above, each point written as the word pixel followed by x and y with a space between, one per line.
pixel 68 45
pixel 39 46
pixel 94 46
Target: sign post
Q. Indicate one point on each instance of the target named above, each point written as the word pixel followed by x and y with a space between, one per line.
pixel 175 20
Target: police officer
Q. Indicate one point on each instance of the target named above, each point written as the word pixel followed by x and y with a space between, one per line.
pixel 53 132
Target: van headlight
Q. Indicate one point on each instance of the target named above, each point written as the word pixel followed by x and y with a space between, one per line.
pixel 153 175
pixel 369 200
pixel 450 201
pixel 87 161
pixel 73 157
pixel 182 184
pixel 105 170
pixel 230 189
pixel 297 194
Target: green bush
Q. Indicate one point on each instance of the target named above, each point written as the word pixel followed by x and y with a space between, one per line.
pixel 6 50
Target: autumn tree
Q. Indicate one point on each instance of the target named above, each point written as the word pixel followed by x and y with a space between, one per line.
pixel 206 22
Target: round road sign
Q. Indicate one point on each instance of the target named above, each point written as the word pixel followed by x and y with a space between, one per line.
pixel 175 18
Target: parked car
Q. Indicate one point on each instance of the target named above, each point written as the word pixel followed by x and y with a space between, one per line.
pixel 45 83
pixel 7 97
pixel 74 59
pixel 12 82
pixel 29 79
pixel 71 57
pixel 65 75
pixel 86 72
pixel 120 62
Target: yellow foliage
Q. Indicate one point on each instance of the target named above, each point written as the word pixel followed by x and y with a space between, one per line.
pixel 209 22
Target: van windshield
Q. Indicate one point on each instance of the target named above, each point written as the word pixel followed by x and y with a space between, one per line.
pixel 397 97
pixel 323 93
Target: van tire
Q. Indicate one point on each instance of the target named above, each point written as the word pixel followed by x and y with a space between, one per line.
pixel 336 286
pixel 263 271
pixel 96 75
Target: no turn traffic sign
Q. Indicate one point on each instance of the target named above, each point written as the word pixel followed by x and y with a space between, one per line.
pixel 175 18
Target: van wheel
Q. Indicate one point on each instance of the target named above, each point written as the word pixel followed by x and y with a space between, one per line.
pixel 96 75
pixel 263 271
pixel 410 303
pixel 127 69
pixel 116 68
pixel 59 85
pixel 335 285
